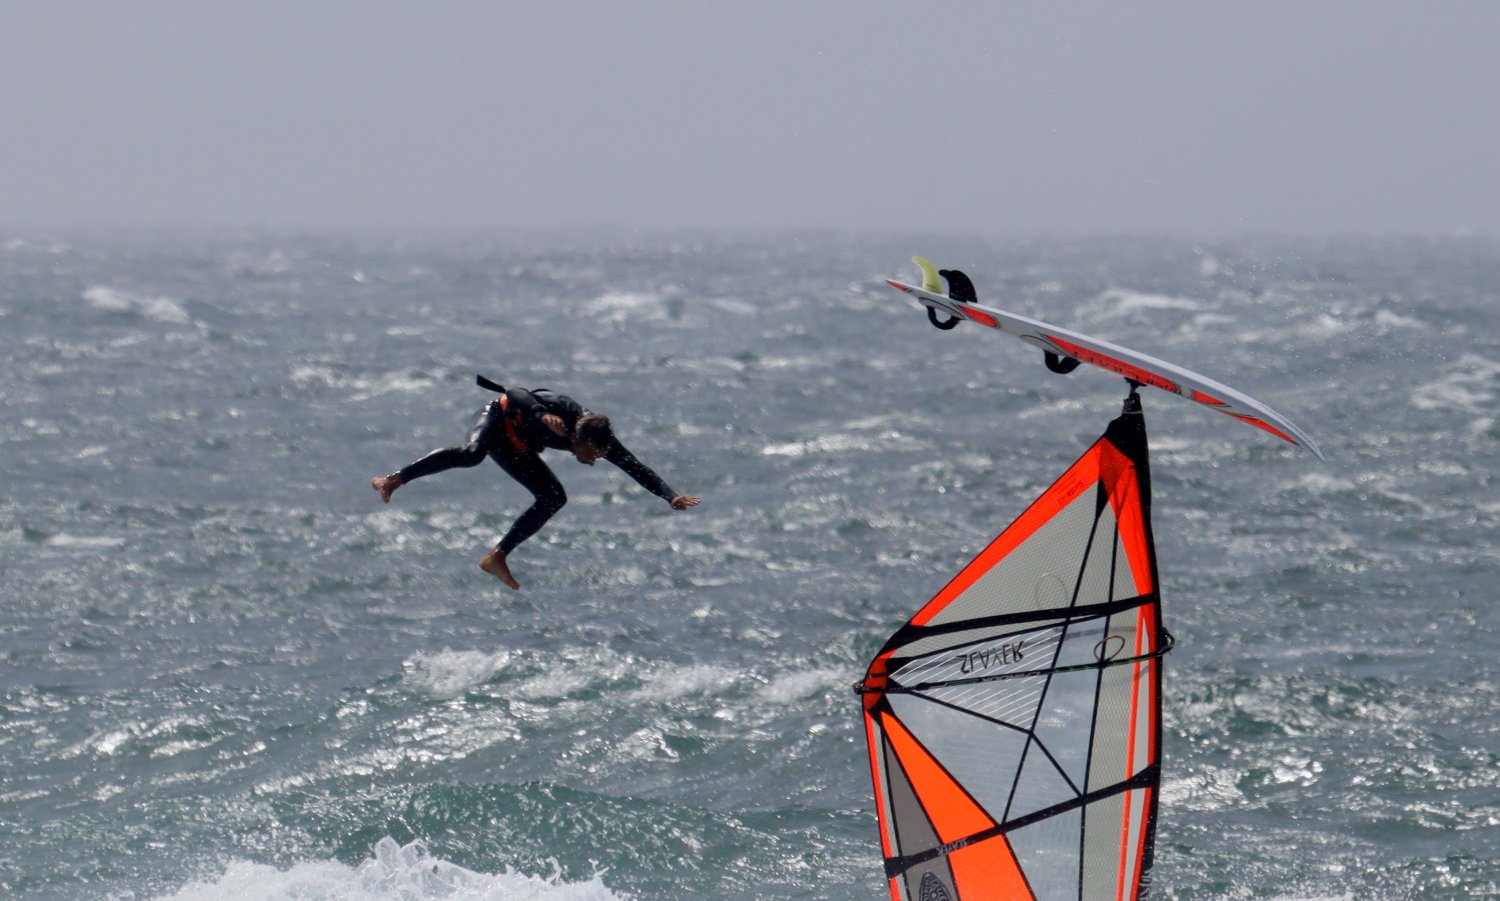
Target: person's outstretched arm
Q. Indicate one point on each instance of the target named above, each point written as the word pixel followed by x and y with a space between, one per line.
pixel 622 457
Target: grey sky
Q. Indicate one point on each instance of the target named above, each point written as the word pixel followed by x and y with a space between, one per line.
pixel 989 117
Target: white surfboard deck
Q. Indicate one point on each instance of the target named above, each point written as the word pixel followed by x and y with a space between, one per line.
pixel 1133 365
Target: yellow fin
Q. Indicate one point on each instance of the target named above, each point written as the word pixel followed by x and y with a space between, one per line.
pixel 930 280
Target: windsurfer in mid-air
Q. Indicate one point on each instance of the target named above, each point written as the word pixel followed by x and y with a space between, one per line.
pixel 513 430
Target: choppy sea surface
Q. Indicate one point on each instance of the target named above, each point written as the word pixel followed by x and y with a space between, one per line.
pixel 228 671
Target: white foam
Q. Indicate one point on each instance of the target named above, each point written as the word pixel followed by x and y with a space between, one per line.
pixel 1207 324
pixel 737 307
pixel 362 389
pixel 1214 789
pixel 392 383
pixel 394 873
pixel 827 444
pixel 672 684
pixel 1170 445
pixel 449 673
pixel 618 306
pixel 84 542
pixel 1325 325
pixel 1319 483
pixel 112 300
pixel 1387 319
pixel 789 687
pixel 1472 385
pixel 1121 302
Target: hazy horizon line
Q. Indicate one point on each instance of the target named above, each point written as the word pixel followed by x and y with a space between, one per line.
pixel 23 230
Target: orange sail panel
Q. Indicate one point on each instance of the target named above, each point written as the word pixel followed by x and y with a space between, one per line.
pixel 1014 724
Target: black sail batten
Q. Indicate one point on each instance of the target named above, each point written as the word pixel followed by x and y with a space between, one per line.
pixel 894 866
pixel 909 633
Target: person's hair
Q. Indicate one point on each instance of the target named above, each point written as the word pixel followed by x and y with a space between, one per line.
pixel 595 431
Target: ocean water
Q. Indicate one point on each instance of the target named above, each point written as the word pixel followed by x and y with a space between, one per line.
pixel 228 671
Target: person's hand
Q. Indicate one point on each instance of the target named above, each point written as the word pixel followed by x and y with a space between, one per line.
pixel 682 502
pixel 555 423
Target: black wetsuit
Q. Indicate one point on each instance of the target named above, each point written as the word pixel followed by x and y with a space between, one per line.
pixel 513 435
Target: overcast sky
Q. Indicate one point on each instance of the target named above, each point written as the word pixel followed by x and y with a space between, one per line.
pixel 989 117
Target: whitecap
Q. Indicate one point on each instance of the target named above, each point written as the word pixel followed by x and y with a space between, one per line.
pixel 364 388
pixel 393 383
pixel 1207 324
pixel 618 306
pixel 680 682
pixel 1319 484
pixel 1389 320
pixel 554 683
pixel 1215 789
pixel 1325 325
pixel 83 542
pixel 1122 302
pixel 394 872
pixel 302 375
pixel 164 309
pixel 1472 385
pixel 736 307
pixel 448 673
pixel 828 444
pixel 789 687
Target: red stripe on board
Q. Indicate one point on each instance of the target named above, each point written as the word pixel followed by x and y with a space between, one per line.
pixel 1119 367
pixel 981 318
pixel 1262 424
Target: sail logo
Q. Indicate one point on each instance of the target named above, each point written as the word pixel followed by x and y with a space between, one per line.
pixel 983 660
pixel 932 889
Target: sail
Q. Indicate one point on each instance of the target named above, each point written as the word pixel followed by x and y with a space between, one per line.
pixel 1014 724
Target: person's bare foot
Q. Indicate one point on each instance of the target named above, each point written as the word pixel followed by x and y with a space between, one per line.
pixel 494 564
pixel 386 485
